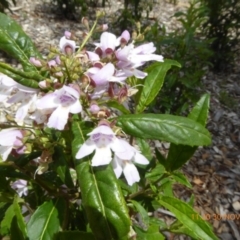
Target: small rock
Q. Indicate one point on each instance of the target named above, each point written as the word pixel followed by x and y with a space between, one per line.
pixel 236 205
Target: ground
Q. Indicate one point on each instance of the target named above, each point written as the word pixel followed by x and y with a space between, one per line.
pixel 213 171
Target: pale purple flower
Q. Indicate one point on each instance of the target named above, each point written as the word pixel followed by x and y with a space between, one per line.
pixel 107 45
pixel 66 45
pixel 104 75
pixel 124 38
pixel 21 187
pixel 130 58
pixel 102 140
pixel 123 162
pixel 9 138
pixel 27 98
pixel 63 101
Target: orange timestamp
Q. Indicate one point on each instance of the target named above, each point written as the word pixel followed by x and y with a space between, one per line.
pixel 219 217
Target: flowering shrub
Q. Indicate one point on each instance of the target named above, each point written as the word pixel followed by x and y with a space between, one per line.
pixel 75 156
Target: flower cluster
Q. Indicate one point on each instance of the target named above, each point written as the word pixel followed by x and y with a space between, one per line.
pixel 80 82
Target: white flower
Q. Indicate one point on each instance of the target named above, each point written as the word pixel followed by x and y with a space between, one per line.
pixel 28 98
pixel 9 138
pixel 102 140
pixel 21 187
pixel 64 101
pixel 123 162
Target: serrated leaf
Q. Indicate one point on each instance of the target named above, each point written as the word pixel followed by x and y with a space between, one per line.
pixel 16 43
pixel 170 128
pixel 74 235
pixel 44 222
pixel 184 213
pixel 153 82
pixel 102 198
pixel 6 222
pixel 19 217
pixel 178 155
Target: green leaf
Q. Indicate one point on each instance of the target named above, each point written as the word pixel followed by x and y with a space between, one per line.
pixel 19 79
pixel 200 111
pixel 15 230
pixel 118 106
pixel 178 155
pixel 143 214
pixel 19 217
pixel 151 234
pixel 61 165
pixel 6 222
pixel 102 198
pixel 180 178
pixel 185 214
pixel 156 173
pixel 175 129
pixel 16 43
pixel 144 148
pixel 75 235
pixel 44 223
pixel 153 82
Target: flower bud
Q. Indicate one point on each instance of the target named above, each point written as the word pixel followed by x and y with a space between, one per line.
pixel 85 23
pixel 35 62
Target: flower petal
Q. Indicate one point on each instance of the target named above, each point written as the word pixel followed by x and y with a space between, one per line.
pixel 102 156
pixel 139 158
pixel 87 148
pixel 58 118
pixel 117 167
pixel 131 173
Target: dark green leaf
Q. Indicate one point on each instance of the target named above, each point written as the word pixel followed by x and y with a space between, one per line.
pixel 185 214
pixel 19 217
pixel 44 223
pixel 178 155
pixel 75 235
pixel 61 165
pixel 153 82
pixel 16 43
pixel 102 198
pixel 175 129
pixel 16 232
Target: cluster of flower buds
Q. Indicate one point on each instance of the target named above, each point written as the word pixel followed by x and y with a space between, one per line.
pixel 80 82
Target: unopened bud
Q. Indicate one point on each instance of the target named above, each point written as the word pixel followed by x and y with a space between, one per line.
pixel 35 62
pixel 53 49
pixel 138 25
pixel 85 23
pixel 134 35
pixel 140 37
pixel 100 14
pixel 67 34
